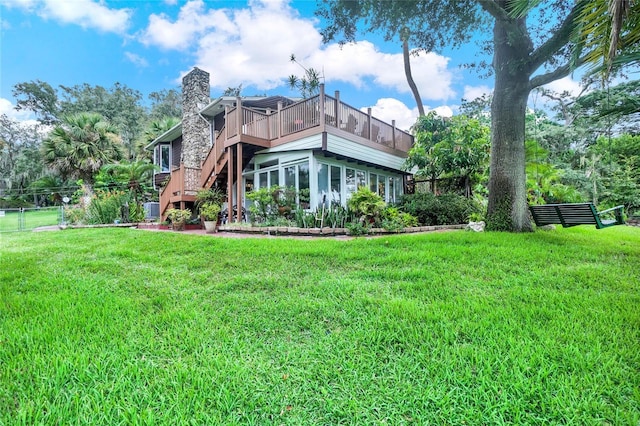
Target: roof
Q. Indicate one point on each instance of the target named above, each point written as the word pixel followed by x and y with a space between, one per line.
pixel 168 136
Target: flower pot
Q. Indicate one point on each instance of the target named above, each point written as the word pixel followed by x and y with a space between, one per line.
pixel 210 226
pixel 179 226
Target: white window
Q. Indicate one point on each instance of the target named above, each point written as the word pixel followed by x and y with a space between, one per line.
pixel 165 158
pixel 297 176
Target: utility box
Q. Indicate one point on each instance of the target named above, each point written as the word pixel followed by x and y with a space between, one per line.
pixel 151 210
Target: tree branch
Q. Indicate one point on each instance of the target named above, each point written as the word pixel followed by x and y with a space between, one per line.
pixel 559 39
pixel 493 9
pixel 563 71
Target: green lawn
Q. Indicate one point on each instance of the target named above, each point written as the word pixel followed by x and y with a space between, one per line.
pixel 121 326
pixel 14 220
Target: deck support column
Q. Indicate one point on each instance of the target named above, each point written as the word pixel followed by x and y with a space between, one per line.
pixel 239 183
pixel 230 185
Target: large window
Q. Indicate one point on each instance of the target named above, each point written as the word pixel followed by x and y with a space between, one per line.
pixel 165 158
pixel 354 180
pixel 329 184
pixel 297 176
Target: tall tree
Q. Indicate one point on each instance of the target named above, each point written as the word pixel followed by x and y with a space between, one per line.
pixel 20 162
pixel 524 57
pixel 38 97
pixel 80 145
pixel 165 103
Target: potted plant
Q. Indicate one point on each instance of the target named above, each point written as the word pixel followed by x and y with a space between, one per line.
pixel 209 212
pixel 178 218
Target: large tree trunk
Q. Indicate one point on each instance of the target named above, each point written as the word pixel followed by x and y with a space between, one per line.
pixel 507 209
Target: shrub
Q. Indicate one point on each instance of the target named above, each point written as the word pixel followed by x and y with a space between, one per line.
pixel 210 211
pixel 366 205
pixel 445 209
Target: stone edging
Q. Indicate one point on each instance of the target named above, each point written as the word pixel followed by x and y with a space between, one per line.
pixel 327 231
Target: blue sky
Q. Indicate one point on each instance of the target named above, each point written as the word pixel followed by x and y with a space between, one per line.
pixel 149 45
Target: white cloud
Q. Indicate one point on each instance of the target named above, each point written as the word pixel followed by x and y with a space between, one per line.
pixel 193 21
pixel 85 13
pixel 354 63
pixel 252 46
pixel 7 108
pixel 137 60
pixel 388 109
pixel 474 92
pixel 566 84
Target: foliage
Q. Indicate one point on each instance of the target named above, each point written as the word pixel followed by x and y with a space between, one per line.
pixel 309 84
pixel 165 104
pixel 38 97
pixel 445 209
pixel 395 220
pixel 544 183
pixel 104 207
pixel 366 205
pixel 210 211
pixel 134 175
pixel 178 216
pixel 20 160
pixel 81 145
pixel 357 228
pixel 212 195
pixel 271 202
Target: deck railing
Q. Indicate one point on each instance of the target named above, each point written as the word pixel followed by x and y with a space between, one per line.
pixel 182 181
pixel 307 114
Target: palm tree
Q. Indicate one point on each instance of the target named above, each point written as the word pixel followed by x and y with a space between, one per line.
pixel 154 129
pixel 133 174
pixel 80 145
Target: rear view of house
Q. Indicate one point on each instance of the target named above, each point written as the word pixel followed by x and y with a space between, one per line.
pixel 320 146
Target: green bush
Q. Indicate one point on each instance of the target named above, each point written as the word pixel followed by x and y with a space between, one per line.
pixel 367 206
pixel 111 206
pixel 394 220
pixel 445 209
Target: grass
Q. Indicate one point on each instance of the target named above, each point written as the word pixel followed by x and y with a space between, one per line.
pixel 120 326
pixel 14 220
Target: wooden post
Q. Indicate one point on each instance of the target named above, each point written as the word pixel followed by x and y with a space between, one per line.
pixel 240 120
pixel 239 183
pixel 321 112
pixel 370 126
pixel 337 108
pixel 279 119
pixel 393 132
pixel 230 185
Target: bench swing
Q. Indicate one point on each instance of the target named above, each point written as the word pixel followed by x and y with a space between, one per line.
pixel 573 214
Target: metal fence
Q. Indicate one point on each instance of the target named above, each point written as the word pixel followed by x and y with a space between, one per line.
pixel 13 220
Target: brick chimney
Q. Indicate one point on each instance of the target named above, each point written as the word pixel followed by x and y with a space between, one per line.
pixel 195 130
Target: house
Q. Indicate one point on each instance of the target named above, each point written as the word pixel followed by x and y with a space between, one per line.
pixel 320 146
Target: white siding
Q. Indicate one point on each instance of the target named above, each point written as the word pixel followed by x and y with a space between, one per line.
pixel 356 151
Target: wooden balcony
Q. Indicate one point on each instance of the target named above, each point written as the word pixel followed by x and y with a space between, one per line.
pixel 322 113
pixel 316 115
